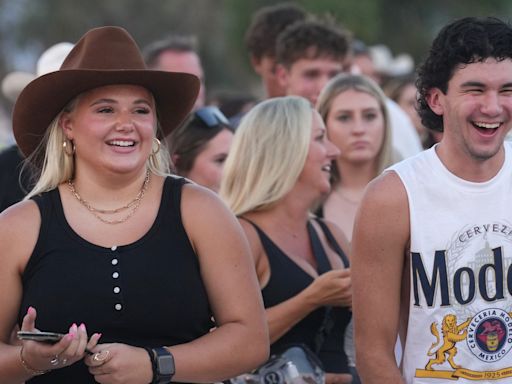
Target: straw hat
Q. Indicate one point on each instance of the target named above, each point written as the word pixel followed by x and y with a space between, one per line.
pixel 103 56
pixel 49 61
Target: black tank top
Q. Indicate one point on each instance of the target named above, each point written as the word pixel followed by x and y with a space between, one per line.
pixel 148 293
pixel 287 279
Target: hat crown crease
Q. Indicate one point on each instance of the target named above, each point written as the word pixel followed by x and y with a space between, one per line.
pixel 107 48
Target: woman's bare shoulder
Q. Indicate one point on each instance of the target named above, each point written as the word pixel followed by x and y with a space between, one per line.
pixel 19 230
pixel 24 214
pixel 205 215
pixel 196 199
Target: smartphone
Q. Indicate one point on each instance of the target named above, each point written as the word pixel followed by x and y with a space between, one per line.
pixel 45 337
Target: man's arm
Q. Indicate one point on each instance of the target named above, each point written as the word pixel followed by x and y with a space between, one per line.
pixel 380 242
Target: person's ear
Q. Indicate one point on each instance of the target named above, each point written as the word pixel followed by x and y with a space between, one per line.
pixel 256 64
pixel 435 98
pixel 282 76
pixel 66 124
pixel 175 159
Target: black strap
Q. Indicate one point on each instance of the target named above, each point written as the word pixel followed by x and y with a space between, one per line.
pixel 332 242
pixel 152 359
pixel 323 266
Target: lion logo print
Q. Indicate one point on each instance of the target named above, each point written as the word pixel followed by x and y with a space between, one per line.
pixel 452 334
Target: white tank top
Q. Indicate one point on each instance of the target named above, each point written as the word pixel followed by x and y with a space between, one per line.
pixel 460 310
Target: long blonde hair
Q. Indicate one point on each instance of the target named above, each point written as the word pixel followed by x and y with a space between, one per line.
pixel 344 82
pixel 268 154
pixel 57 167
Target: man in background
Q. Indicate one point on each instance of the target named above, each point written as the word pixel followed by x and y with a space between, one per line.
pixel 260 39
pixel 308 54
pixel 177 53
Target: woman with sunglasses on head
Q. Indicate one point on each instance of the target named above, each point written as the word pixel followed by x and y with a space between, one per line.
pixel 200 146
pixel 129 263
pixel 277 169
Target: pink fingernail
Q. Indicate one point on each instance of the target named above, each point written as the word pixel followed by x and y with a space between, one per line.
pixel 82 327
pixel 30 310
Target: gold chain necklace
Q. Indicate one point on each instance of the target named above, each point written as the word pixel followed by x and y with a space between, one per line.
pixel 134 204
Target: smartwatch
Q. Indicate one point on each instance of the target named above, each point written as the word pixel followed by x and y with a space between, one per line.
pixel 163 366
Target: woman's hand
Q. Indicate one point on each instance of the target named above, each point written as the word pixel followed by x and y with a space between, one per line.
pixel 42 356
pixel 331 288
pixel 120 364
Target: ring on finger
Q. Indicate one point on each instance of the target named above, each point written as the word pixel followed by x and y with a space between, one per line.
pixel 55 360
pixel 101 356
pixel 64 361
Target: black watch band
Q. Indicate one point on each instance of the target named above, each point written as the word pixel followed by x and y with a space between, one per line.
pixel 163 366
pixel 152 360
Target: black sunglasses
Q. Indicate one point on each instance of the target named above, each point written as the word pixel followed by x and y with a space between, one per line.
pixel 211 117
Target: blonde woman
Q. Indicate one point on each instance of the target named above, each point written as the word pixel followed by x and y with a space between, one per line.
pixel 353 108
pixel 278 167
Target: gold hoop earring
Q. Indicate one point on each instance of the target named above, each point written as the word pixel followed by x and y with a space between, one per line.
pixel 153 150
pixel 68 151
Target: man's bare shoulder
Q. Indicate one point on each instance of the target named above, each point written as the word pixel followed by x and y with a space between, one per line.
pixel 383 213
pixel 386 190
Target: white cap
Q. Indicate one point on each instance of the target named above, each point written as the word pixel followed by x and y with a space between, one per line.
pixel 49 61
pixel 384 62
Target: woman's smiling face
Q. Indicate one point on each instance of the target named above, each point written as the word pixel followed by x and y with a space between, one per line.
pixel 112 127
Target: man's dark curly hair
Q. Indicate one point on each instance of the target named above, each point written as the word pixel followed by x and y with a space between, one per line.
pixel 267 23
pixel 465 41
pixel 312 38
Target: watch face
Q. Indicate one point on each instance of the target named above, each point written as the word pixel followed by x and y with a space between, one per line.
pixel 165 365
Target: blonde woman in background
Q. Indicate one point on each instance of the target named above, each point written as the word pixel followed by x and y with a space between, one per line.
pixel 278 167
pixel 354 112
pixel 353 108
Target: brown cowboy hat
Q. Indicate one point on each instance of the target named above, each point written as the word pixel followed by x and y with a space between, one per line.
pixel 103 56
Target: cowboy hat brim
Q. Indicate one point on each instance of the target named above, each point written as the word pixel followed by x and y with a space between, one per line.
pixel 45 97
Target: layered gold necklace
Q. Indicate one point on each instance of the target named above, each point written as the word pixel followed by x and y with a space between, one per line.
pixel 132 205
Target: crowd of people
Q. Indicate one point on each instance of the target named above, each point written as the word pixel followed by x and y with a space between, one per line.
pixel 165 235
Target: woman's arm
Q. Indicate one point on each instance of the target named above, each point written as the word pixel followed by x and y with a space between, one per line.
pixel 13 256
pixel 240 341
pixel 19 229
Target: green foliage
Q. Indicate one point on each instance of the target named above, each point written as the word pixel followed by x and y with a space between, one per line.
pixel 27 27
